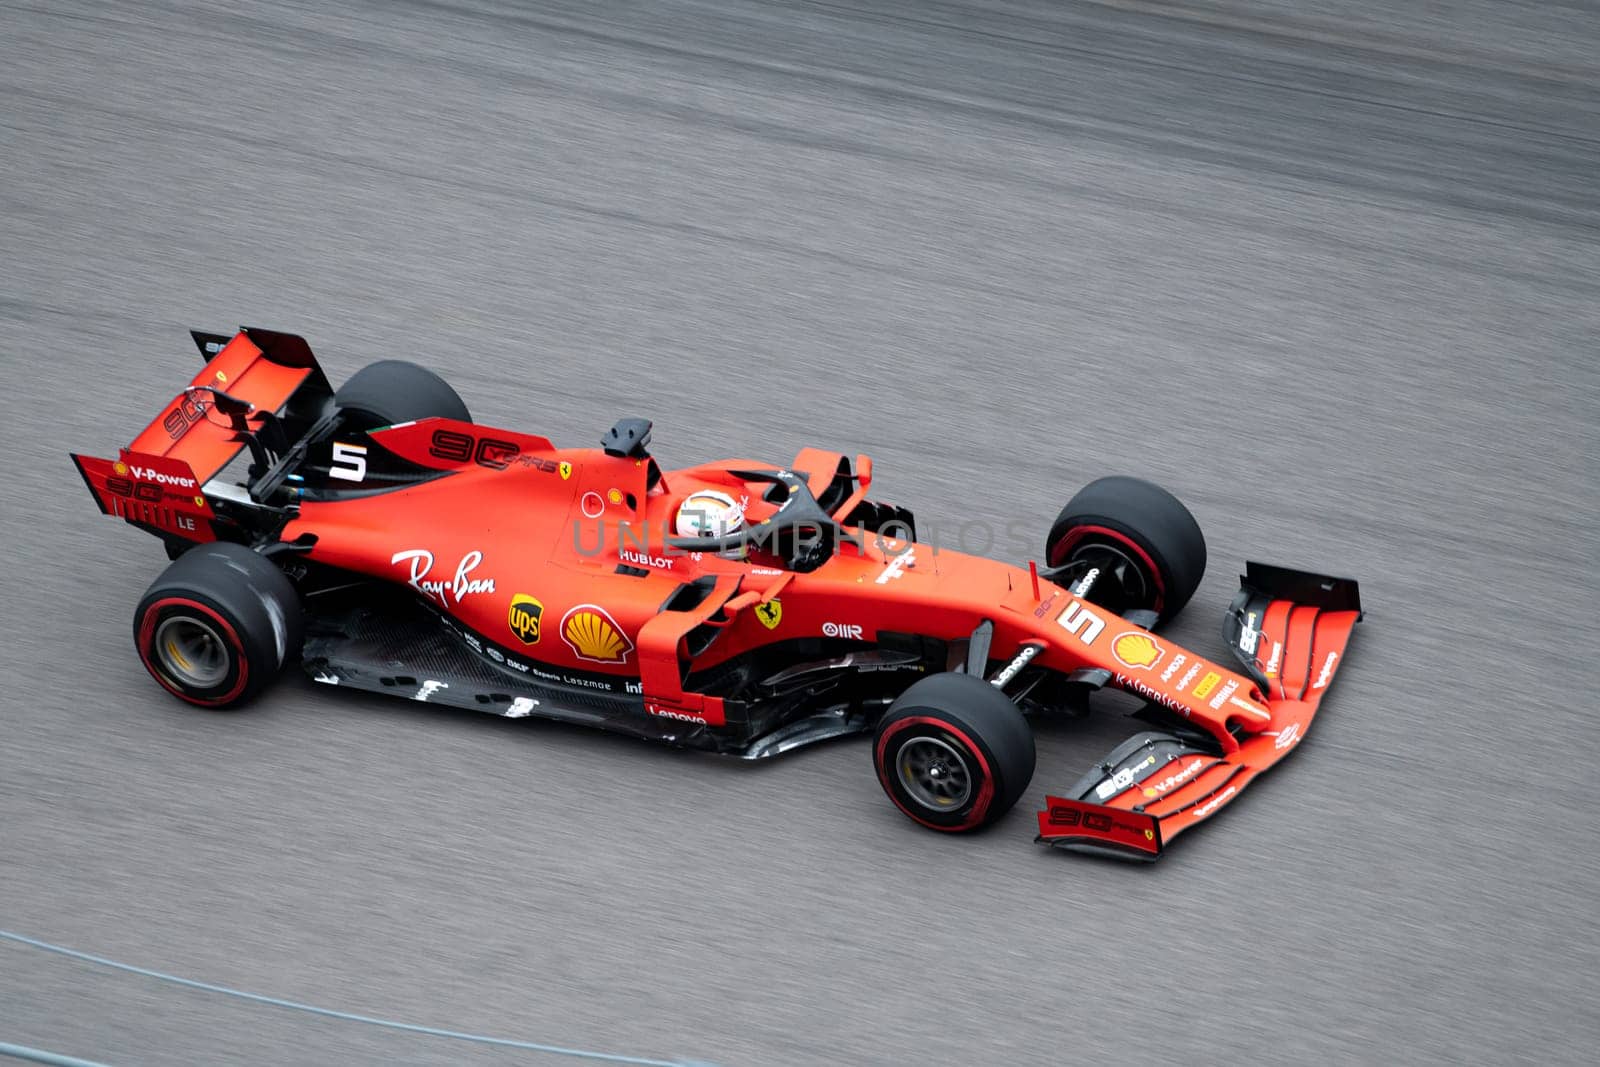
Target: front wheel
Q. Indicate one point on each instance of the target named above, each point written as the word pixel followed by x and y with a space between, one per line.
pixel 218 625
pixel 1129 544
pixel 953 753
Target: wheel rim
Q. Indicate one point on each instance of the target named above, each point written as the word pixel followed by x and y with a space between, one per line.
pixel 933 773
pixel 1121 584
pixel 191 652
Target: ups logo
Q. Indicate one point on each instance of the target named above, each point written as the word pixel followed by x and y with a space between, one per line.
pixel 523 618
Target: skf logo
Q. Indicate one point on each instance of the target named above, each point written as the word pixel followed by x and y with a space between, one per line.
pixel 594 635
pixel 565 469
pixel 1206 685
pixel 770 613
pixel 523 618
pixel 1137 650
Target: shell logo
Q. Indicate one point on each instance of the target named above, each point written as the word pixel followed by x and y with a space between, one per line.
pixel 120 467
pixel 592 634
pixel 1137 650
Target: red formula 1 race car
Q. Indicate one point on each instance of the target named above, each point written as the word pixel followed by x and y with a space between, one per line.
pixel 379 536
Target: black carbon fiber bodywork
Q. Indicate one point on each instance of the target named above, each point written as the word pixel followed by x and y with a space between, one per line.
pixel 372 640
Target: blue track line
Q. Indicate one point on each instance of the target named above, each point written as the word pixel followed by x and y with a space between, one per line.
pixel 39 1055
pixel 432 1031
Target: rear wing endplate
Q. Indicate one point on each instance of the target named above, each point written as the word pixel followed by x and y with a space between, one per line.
pixel 158 481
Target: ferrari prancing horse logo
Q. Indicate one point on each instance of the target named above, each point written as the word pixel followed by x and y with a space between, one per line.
pixel 770 613
pixel 566 470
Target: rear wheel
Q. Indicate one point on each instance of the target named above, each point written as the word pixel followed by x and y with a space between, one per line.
pixel 1134 543
pixel 393 391
pixel 218 625
pixel 954 753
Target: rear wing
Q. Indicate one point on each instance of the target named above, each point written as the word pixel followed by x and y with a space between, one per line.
pixel 261 368
pixel 257 383
pixel 1289 629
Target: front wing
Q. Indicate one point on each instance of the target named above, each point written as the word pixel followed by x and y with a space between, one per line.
pixel 1289 629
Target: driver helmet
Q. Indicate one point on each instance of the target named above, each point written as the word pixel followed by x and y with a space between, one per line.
pixel 708 513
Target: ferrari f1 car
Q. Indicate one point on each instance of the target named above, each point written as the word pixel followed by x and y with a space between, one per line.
pixel 381 538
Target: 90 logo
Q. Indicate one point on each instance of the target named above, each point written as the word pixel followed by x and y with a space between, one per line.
pixel 464 448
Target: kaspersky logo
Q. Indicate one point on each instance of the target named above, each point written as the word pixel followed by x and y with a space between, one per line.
pixel 1137 650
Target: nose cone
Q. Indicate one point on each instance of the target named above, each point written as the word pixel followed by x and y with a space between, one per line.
pixel 1137 650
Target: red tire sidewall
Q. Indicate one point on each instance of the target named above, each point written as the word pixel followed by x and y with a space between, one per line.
pixel 976 811
pixel 173 606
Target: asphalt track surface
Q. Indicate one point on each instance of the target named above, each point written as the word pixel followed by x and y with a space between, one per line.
pixel 1331 274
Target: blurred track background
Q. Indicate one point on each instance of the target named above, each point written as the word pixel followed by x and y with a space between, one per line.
pixel 1329 271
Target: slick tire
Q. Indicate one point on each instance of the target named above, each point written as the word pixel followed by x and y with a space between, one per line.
pixel 953 753
pixel 1143 535
pixel 218 625
pixel 393 391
